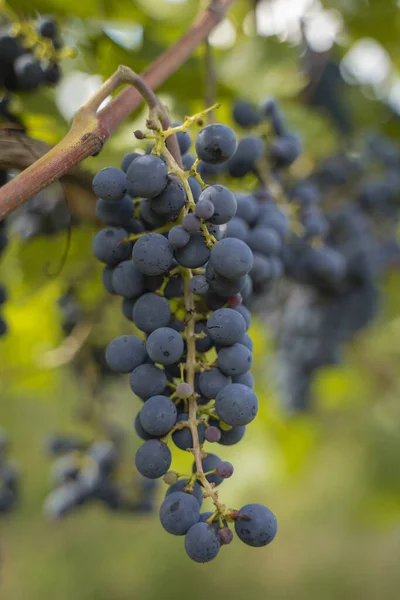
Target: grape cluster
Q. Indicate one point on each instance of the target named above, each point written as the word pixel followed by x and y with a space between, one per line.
pixel 182 282
pixel 29 55
pixel 9 478
pixel 85 473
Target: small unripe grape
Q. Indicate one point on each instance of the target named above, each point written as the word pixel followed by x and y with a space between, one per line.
pixel 170 478
pixel 184 390
pixel 224 469
pixel 225 536
pixel 235 300
pixel 212 434
pixel 191 223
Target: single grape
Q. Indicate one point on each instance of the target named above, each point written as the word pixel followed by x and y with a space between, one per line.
pixel 151 312
pixel 191 223
pixel 152 254
pixel 256 525
pixel 224 203
pixel 247 341
pixel 231 436
pixel 231 258
pixel 212 381
pixel 224 469
pixel 179 512
pixel 146 176
pixel 226 326
pixel 212 434
pixel 153 459
pixel 262 270
pixel 198 285
pixel 110 185
pixel 245 114
pixel 195 254
pixel 127 280
pixel 236 404
pixel 170 478
pixel 225 536
pixel 171 200
pixel 165 346
pixel 183 390
pixel 215 143
pixel 125 353
pixel 178 236
pixel 147 380
pixel 201 543
pixel 204 209
pixel 285 150
pixel 110 246
pixel 158 415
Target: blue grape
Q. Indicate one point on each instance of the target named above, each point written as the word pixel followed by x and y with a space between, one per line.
pixel 237 228
pixel 226 326
pixel 245 114
pixel 245 379
pixel 202 543
pixel 125 353
pixel 215 143
pixel 151 312
pixel 127 280
pixel 212 381
pixel 231 258
pixel 146 176
pixel 153 459
pixel 152 254
pixel 258 525
pixel 128 160
pixel 110 184
pixel 171 200
pixel 234 360
pixel 195 254
pixel 178 236
pixel 147 380
pixel 110 247
pixel 158 415
pixel 236 404
pixel 179 512
pixel 165 346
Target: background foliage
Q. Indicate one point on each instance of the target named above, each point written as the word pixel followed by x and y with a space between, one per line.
pixel 331 476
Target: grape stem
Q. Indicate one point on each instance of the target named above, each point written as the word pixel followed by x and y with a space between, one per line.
pixel 91 129
pixel 209 491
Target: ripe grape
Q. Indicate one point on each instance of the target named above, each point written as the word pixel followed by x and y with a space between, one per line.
pixel 153 459
pixel 110 184
pixel 152 254
pixel 226 326
pixel 158 415
pixel 215 143
pixel 231 258
pixel 224 203
pixel 151 312
pixel 147 380
pixel 146 176
pixel 125 353
pixel 236 404
pixel 165 346
pixel 258 525
pixel 201 543
pixel 179 512
pixel 110 246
